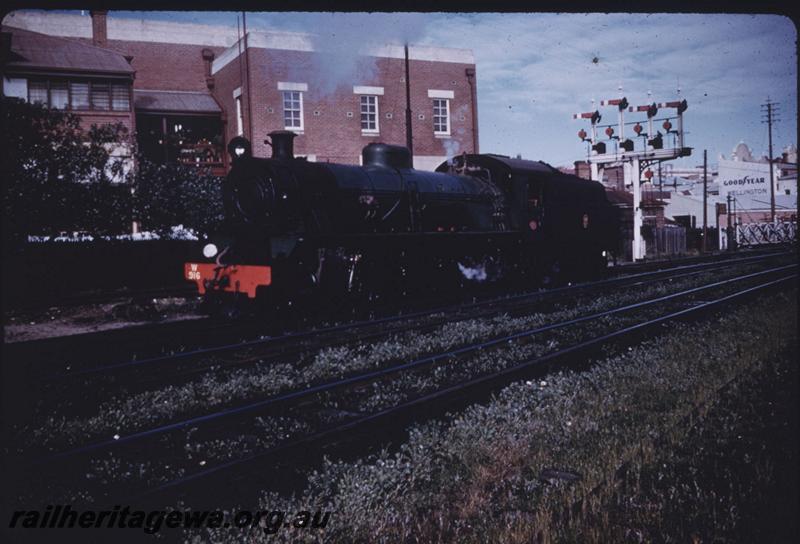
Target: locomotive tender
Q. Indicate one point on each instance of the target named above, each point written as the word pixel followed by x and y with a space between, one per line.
pixel 296 230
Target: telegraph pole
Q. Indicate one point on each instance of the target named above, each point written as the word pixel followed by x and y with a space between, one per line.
pixel 705 200
pixel 770 109
pixel 247 76
pixel 728 231
pixel 409 133
pixel 660 181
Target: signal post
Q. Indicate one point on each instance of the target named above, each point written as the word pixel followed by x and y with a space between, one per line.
pixel 631 156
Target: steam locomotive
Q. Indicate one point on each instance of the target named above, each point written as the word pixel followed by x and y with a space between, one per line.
pixel 298 231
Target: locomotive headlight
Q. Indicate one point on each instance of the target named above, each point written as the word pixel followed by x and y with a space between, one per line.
pixel 239 151
pixel 209 250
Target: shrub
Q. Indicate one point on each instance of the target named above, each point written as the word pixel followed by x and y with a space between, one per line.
pixel 56 175
pixel 60 177
pixel 171 194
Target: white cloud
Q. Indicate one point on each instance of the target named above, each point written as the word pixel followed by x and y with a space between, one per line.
pixel 535 70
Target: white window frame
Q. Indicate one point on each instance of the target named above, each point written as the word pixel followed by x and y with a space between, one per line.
pixel 239 116
pixel 300 109
pixel 446 116
pixel 365 89
pixel 237 100
pixel 377 128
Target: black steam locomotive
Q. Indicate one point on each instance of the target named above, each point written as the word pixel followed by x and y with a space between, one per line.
pixel 297 231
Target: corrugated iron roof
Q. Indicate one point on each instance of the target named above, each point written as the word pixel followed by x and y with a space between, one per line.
pixel 177 101
pixel 31 50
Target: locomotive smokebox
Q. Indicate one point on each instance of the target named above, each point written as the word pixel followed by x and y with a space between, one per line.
pixel 387 156
pixel 282 142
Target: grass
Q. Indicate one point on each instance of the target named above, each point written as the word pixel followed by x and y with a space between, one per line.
pixel 559 459
pixel 214 390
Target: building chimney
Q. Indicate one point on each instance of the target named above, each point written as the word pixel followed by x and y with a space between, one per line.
pixel 208 58
pixel 99 28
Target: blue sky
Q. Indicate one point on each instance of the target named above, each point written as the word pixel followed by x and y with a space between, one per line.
pixel 535 70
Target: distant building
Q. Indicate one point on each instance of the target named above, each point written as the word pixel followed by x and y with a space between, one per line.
pixel 197 86
pixel 744 182
pixel 739 188
pixel 94 82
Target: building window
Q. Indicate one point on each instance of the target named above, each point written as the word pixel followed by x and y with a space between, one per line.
pixel 369 113
pixel 59 95
pixel 293 110
pixel 441 116
pixel 100 99
pixel 37 92
pixel 120 97
pixel 80 95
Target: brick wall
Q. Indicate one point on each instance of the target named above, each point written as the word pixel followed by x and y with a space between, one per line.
pixel 165 66
pixel 225 81
pixel 89 118
pixel 328 132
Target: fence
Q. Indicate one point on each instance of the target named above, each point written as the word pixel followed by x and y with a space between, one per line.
pixel 665 241
pixel 756 234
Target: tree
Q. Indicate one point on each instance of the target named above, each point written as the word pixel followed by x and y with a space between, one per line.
pixel 57 176
pixel 166 195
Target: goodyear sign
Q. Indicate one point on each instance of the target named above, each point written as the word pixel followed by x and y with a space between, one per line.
pixel 747 182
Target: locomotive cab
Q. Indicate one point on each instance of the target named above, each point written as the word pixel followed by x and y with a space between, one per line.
pixel 566 222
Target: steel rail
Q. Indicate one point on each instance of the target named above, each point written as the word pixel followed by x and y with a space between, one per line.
pixel 183 374
pixel 460 388
pixel 293 396
pixel 354 326
pixel 261 358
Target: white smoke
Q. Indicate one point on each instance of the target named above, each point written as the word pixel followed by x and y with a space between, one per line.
pixel 451 149
pixel 476 273
pixel 344 43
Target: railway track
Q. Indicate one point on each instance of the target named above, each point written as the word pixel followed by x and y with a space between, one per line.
pixel 52 351
pixel 145 345
pixel 465 392
pixel 317 399
pixel 136 376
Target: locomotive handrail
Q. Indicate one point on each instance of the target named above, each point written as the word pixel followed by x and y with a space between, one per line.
pixel 219 257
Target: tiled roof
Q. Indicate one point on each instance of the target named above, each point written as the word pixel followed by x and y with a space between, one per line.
pixel 40 52
pixel 177 101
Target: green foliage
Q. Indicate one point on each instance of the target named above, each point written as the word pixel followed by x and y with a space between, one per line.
pixel 58 176
pixel 173 194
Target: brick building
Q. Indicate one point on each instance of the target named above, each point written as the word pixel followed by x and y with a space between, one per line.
pixel 197 86
pixel 94 82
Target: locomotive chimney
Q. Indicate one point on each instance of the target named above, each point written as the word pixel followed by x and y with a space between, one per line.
pixel 282 142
